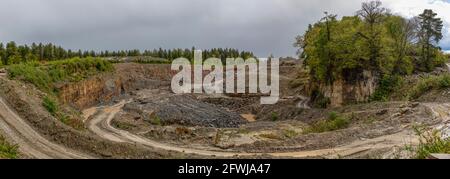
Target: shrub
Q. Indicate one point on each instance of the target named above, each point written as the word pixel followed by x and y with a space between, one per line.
pixel 50 105
pixel 332 123
pixel 274 116
pixel 156 121
pixel 387 85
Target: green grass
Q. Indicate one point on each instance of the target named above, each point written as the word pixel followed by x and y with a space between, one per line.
pixel 8 151
pixel 156 121
pixel 428 84
pixel 431 142
pixel 332 123
pixel 45 75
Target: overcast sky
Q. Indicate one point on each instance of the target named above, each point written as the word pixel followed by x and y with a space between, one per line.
pixel 261 26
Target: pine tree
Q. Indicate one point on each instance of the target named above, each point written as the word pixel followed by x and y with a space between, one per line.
pixel 429 35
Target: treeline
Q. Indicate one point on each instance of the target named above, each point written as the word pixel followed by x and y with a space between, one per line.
pixel 373 40
pixel 11 53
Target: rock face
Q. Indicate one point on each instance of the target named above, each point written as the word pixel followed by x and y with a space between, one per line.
pixel 90 92
pixel 103 88
pixel 350 90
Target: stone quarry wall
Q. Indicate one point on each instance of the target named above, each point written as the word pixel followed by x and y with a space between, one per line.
pixel 91 91
pixel 127 77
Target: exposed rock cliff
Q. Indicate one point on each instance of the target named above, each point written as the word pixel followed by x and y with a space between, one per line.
pixel 103 88
pixel 350 90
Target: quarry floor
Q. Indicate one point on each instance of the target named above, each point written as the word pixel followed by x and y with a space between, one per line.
pixel 142 124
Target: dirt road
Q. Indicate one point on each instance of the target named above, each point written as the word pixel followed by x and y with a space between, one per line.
pixel 31 143
pixel 101 125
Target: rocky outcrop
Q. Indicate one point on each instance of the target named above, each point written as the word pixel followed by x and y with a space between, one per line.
pixel 126 78
pixel 91 91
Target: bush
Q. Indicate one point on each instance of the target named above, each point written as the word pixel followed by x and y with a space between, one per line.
pixel 332 123
pixel 274 116
pixel 429 83
pixel 387 86
pixel 8 151
pixel 50 105
pixel 319 100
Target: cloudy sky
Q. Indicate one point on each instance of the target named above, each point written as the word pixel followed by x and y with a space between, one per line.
pixel 261 26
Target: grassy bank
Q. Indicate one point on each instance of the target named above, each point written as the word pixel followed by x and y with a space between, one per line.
pixel 45 75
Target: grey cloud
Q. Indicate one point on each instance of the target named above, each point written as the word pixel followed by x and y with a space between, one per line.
pixel 262 26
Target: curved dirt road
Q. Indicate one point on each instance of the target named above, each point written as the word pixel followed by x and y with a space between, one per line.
pixel 30 142
pixel 100 124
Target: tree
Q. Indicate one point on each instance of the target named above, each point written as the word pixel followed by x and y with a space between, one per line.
pixel 429 35
pixel 401 34
pixel 3 54
pixel 12 53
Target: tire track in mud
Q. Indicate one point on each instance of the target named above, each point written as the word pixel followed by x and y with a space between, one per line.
pixel 100 124
pixel 30 142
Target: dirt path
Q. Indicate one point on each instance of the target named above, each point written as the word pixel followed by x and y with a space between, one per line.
pixel 442 113
pixel 30 142
pixel 101 125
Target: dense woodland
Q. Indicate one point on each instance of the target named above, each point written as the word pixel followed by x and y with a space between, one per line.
pixel 373 39
pixel 11 53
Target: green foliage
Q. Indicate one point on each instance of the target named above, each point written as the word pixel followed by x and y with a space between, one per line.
pixel 8 151
pixel 45 75
pixel 373 40
pixel 431 142
pixel 151 60
pixel 388 84
pixel 332 123
pixel 429 35
pixel 14 54
pixel 429 83
pixel 319 100
pixel 156 121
